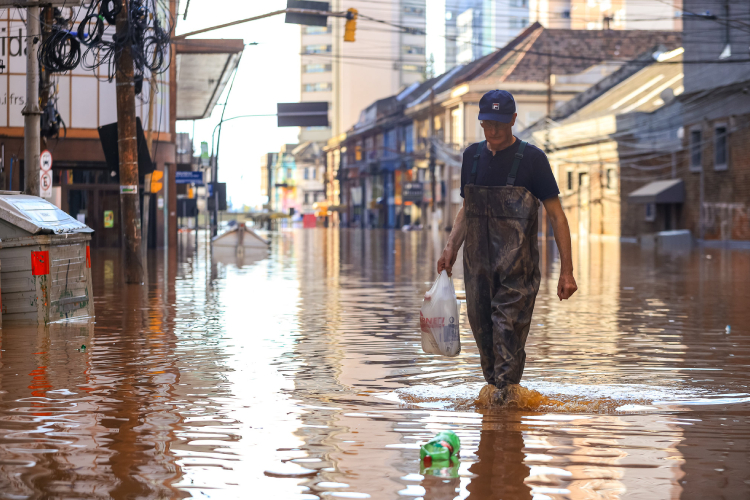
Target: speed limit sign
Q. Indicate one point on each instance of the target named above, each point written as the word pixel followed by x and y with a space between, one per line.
pixel 45 184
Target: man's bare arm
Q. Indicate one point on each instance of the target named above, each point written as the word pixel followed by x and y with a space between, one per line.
pixel 566 286
pixel 455 240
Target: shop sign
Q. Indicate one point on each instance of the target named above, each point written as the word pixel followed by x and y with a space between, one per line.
pixel 412 191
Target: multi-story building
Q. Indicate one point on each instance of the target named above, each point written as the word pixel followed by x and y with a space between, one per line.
pixel 483 26
pixel 607 14
pixel 350 76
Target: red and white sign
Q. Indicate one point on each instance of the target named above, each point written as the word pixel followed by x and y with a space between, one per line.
pixel 45 183
pixel 45 161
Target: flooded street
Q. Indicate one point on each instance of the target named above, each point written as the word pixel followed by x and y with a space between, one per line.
pixel 301 376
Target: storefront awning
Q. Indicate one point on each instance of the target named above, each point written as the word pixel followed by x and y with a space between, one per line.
pixel 203 70
pixel 671 191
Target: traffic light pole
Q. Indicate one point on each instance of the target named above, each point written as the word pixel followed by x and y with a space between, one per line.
pixel 347 15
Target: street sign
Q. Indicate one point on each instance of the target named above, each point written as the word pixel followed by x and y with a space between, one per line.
pixel 190 177
pixel 307 19
pixel 45 160
pixel 302 114
pixel 204 154
pixel 412 191
pixel 45 184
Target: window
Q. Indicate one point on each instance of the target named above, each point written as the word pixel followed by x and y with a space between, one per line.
pixel 519 3
pixel 414 11
pixel 565 14
pixel 317 30
pixel 414 68
pixel 650 212
pixel 317 49
pixel 412 49
pixel 317 68
pixel 611 178
pixel 307 198
pixel 455 137
pixel 720 147
pixel 312 170
pixel 570 180
pixel 518 22
pixel 695 149
pixel 317 87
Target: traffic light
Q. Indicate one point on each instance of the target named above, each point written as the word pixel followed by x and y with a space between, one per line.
pixel 156 181
pixel 351 25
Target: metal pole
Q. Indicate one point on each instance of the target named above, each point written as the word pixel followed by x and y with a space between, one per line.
pixel 31 112
pixel 433 186
pixel 128 149
pixel 166 212
pixel 700 208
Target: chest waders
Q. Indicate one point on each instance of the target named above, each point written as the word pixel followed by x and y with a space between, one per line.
pixel 501 271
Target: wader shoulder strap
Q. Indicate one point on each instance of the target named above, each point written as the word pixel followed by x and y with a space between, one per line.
pixel 473 176
pixel 516 163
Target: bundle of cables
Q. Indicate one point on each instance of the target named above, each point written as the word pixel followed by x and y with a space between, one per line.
pixel 91 46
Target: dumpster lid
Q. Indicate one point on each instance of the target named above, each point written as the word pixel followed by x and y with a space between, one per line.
pixel 38 216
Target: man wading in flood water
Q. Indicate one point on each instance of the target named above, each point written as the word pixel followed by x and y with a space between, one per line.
pixel 502 181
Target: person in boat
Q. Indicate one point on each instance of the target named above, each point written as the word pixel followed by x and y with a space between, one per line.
pixel 503 182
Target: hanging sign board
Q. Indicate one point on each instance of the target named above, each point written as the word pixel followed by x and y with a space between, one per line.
pixel 189 177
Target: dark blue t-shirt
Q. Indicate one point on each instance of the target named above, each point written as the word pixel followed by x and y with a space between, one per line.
pixel 534 172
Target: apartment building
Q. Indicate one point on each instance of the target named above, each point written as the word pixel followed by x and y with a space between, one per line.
pixel 607 14
pixel 350 76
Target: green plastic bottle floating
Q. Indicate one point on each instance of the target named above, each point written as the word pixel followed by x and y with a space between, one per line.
pixel 441 448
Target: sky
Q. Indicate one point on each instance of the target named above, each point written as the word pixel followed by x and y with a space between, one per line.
pixel 268 73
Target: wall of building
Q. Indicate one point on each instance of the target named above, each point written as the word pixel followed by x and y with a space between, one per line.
pixel 726 189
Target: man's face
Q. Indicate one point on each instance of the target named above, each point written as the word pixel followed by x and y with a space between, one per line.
pixel 497 132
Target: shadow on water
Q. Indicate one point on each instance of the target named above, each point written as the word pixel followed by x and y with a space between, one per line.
pixel 300 375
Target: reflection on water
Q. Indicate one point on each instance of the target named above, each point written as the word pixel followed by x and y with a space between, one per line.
pixel 300 375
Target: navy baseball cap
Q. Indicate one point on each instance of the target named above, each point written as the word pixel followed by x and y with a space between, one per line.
pixel 497 105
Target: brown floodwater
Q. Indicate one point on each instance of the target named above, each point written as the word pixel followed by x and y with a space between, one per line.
pixel 300 375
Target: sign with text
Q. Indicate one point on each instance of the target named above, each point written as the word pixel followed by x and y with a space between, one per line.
pixel 45 184
pixel 190 177
pixel 412 191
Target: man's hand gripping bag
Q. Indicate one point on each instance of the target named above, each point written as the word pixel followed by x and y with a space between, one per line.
pixel 439 318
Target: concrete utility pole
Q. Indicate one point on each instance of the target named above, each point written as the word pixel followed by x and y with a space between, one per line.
pixel 127 145
pixel 31 112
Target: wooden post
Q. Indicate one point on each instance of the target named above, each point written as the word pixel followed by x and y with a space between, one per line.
pixel 127 145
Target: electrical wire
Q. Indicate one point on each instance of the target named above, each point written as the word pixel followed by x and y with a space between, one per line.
pixel 86 39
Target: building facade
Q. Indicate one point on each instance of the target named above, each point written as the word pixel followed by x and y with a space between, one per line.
pixel 716 122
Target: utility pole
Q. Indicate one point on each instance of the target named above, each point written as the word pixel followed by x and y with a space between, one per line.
pixel 31 112
pixel 128 149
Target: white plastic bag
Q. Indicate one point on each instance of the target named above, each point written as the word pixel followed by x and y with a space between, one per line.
pixel 439 318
